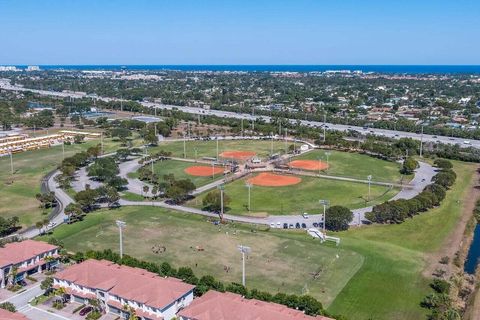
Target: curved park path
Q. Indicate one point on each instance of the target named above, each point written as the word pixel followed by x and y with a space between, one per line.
pixel 423 177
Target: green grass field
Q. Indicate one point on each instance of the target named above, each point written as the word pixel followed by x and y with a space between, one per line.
pixel 17 191
pixel 354 165
pixel 280 261
pixel 378 274
pixel 177 169
pixel 209 148
pixel 299 198
pixel 390 284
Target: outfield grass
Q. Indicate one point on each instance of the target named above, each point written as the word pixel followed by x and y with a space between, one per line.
pixel 209 148
pixel 299 198
pixel 354 165
pixel 280 261
pixel 17 191
pixel 390 284
pixel 177 168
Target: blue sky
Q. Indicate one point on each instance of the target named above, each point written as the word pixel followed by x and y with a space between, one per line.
pixel 240 32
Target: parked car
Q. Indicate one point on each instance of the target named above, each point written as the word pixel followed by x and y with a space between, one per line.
pixel 272 225
pixel 304 226
pixel 297 225
pixel 315 225
pixel 305 215
pixel 22 282
pixel 85 311
pixel 291 226
pixel 285 226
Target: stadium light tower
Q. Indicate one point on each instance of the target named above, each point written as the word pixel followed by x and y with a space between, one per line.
pixel 244 250
pixel 221 188
pixel 11 162
pixel 325 203
pixel 369 178
pixel 328 153
pixel 121 225
pixel 249 186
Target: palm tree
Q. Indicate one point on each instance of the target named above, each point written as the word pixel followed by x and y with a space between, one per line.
pixel 131 312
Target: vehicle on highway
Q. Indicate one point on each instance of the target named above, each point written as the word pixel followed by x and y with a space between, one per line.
pixel 85 311
pixel 466 142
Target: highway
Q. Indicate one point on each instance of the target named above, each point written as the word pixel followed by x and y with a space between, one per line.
pixel 4 84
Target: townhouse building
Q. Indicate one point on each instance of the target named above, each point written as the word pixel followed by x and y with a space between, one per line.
pixel 122 289
pixel 19 259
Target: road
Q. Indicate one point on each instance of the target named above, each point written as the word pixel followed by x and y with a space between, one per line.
pixel 5 84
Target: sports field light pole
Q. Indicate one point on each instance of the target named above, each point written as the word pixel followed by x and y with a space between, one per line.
pixel 195 149
pixel 421 143
pixel 324 126
pixel 249 186
pixel 184 147
pixel 369 178
pixel 325 203
pixel 221 188
pixel 244 250
pixel 271 145
pixel 216 138
pixel 121 225
pixel 319 165
pixel 11 162
pixel 213 170
pixel 286 148
pixel 328 155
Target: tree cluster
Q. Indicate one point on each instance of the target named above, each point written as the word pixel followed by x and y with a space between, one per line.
pixel 398 211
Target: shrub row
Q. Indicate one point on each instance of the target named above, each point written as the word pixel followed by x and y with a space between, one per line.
pixel 398 210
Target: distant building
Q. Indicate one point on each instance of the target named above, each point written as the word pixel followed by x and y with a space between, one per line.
pixel 25 258
pixel 33 68
pixel 229 306
pixel 7 315
pixel 151 296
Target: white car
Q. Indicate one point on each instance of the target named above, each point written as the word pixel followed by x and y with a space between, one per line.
pixel 305 215
pixel 272 225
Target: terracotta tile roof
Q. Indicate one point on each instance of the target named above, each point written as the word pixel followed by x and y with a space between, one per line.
pixel 222 306
pixel 129 283
pixel 7 315
pixel 16 252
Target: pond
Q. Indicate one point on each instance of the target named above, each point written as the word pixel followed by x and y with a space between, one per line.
pixel 473 253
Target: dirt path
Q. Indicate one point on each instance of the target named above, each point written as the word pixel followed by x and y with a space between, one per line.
pixel 454 241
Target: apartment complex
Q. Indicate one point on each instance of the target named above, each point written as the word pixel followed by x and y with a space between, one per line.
pixel 230 306
pixel 19 259
pixel 121 289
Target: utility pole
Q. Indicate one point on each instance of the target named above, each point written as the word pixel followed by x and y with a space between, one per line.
pixel 221 188
pixel 319 165
pixel 244 250
pixel 369 178
pixel 421 143
pixel 249 186
pixel 325 203
pixel 121 225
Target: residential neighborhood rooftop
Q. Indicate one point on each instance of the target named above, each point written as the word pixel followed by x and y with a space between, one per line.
pixel 126 282
pixel 16 252
pixel 216 305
